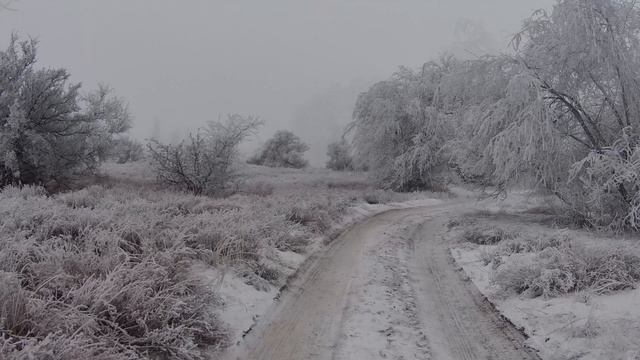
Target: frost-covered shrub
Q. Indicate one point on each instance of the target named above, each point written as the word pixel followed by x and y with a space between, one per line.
pixel 398 130
pixel 491 257
pixel 530 243
pixel 238 234
pixel 530 277
pixel 108 278
pixel 604 269
pixel 570 266
pixel 609 183
pixel 339 154
pixel 516 276
pixel 372 198
pixel 62 347
pixel 48 130
pixel 551 282
pixel 205 162
pixel 314 217
pixel 284 149
pixel 316 213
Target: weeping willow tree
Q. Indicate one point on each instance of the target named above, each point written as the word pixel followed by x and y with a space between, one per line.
pixel 570 116
pixel 474 94
pixel 562 113
pixel 414 127
pixel 399 129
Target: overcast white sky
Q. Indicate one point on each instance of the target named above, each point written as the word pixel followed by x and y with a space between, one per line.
pixel 297 64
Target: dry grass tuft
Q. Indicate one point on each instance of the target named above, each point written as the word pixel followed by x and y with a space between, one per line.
pixel 557 265
pixel 87 275
pixel 485 235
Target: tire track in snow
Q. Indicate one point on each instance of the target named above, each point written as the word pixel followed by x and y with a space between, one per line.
pixel 385 289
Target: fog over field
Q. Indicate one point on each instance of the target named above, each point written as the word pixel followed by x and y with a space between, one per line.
pixel 326 179
pixel 296 64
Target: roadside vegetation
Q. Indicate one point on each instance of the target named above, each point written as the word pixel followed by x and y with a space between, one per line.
pixel 107 272
pixel 571 291
pixel 555 264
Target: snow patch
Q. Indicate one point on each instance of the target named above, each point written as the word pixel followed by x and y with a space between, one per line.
pixel 577 326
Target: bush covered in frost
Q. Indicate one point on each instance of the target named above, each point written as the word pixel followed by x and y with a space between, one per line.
pixel 554 266
pixel 48 130
pixel 339 154
pixel 205 163
pixel 284 149
pixel 99 275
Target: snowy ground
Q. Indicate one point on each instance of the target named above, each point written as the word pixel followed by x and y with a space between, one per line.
pixel 579 325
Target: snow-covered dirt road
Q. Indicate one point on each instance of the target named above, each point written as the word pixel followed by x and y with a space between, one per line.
pixel 386 289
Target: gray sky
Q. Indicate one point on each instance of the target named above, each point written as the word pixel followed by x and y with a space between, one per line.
pixel 298 64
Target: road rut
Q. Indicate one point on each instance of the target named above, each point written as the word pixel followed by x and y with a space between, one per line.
pixel 385 289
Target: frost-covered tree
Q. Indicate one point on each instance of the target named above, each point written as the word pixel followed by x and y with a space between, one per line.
pixel 205 162
pixel 471 93
pixel 570 118
pixel 284 149
pixel 400 127
pixel 339 154
pixel 562 113
pixel 48 130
